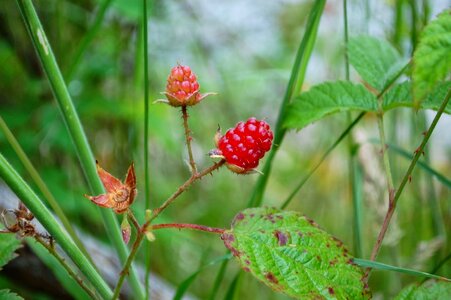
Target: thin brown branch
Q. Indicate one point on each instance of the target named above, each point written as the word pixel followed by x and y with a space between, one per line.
pixel 395 197
pixel 187 226
pixel 188 139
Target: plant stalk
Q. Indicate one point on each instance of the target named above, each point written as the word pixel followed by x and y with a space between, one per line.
pixel 45 217
pixel 146 139
pixel 75 129
pixel 187 226
pixel 188 139
pixel 406 178
pixel 142 232
pixel 68 269
pixel 34 174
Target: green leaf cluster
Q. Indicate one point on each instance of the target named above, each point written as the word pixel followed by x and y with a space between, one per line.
pixel 378 63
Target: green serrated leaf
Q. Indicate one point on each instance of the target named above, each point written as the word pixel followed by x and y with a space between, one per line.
pixel 375 60
pixel 292 255
pixel 430 290
pixel 432 57
pixel 8 245
pixel 328 98
pixel 401 96
pixel 7 295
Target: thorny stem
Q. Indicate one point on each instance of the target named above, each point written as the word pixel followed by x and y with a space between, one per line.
pixel 50 248
pixel 182 188
pixel 187 226
pixel 188 140
pixel 143 229
pixel 392 204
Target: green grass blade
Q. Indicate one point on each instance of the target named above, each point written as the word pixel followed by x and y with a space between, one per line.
pixel 75 129
pixel 329 150
pixel 384 267
pixel 34 174
pixel 87 38
pixel 45 217
pixel 183 287
pixel 146 138
pixel 219 277
pixel 233 287
pixel 357 200
pixel 68 282
pixel 295 83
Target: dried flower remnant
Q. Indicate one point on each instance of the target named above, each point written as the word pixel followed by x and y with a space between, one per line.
pixel 119 196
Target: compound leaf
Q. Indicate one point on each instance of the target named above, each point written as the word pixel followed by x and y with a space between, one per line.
pixel 328 98
pixel 432 57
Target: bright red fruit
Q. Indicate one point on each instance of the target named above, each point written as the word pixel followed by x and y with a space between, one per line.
pixel 243 146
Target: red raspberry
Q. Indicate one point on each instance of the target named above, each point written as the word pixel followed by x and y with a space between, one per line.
pixel 243 146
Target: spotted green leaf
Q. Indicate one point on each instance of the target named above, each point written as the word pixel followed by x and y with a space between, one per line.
pixel 430 290
pixel 292 255
pixel 432 57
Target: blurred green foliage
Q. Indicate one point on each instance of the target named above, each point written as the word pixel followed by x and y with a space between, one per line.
pixel 244 52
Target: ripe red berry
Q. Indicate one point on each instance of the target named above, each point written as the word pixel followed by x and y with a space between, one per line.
pixel 243 146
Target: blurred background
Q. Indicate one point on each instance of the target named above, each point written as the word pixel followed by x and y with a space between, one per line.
pixel 243 50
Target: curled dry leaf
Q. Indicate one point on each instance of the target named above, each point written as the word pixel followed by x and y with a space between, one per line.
pixel 119 196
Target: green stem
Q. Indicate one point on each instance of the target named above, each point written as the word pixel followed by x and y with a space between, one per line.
pixel 87 39
pixel 75 129
pixel 146 139
pixel 387 167
pixel 45 217
pixel 353 164
pixel 182 188
pixel 68 269
pixel 41 185
pixel 296 80
pixel 156 213
pixel 188 139
pixel 392 204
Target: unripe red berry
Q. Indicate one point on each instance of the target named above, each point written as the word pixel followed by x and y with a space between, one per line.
pixel 182 87
pixel 243 146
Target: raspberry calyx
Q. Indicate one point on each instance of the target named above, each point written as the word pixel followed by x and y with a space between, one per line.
pixel 242 147
pixel 182 88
